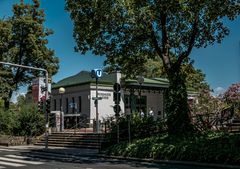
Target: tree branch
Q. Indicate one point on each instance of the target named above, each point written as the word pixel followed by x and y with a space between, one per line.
pixel 165 42
pixel 164 34
pixel 164 58
pixel 186 53
pixel 154 41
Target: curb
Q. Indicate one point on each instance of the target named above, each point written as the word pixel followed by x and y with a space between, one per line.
pixel 189 163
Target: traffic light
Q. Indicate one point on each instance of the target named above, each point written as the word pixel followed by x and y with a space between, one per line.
pixel 116 93
pixel 48 105
pixel 40 106
pixel 117 109
pixel 117 98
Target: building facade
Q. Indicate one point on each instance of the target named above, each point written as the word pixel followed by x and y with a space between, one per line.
pixel 78 102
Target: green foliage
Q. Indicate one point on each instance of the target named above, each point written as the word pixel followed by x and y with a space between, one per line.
pixel 129 32
pixel 31 122
pixel 141 127
pixel 195 78
pixel 23 40
pixel 1 103
pixel 177 108
pixel 26 121
pixel 8 121
pixel 214 147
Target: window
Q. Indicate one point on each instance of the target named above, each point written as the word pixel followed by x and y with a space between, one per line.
pixel 80 104
pixel 66 105
pixel 60 104
pixel 73 105
pixel 54 104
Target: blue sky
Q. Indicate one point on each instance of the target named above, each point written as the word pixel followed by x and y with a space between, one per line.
pixel 220 62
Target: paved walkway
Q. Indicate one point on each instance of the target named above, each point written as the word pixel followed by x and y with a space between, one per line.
pixel 93 152
pixel 58 150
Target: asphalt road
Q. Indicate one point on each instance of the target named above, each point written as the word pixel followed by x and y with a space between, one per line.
pixel 29 159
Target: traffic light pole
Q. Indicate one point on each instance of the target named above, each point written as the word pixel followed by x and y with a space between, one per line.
pixel 46 93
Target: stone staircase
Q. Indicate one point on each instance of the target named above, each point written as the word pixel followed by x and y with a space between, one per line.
pixel 234 126
pixel 74 140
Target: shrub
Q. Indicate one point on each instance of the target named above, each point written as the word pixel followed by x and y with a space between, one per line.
pixel 8 122
pixel 26 121
pixel 215 147
pixel 31 122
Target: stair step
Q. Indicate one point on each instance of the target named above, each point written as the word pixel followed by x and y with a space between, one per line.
pixel 77 140
pixel 70 142
pixel 69 145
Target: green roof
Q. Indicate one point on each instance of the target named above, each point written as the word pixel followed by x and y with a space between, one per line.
pixel 84 77
pixel 161 83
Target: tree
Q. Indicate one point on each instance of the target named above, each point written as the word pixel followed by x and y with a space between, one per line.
pixel 5 74
pixel 195 78
pixel 232 97
pixel 25 44
pixel 129 32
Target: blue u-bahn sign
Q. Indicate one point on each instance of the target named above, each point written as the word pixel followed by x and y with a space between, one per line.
pixel 96 73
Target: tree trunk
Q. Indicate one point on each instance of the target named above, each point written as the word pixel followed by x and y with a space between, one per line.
pixel 177 109
pixel 7 100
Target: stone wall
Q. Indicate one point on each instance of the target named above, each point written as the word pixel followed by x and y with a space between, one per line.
pixel 16 140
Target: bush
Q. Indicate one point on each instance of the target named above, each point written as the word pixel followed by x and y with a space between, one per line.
pixel 141 127
pixel 8 121
pixel 31 122
pixel 212 147
pixel 26 121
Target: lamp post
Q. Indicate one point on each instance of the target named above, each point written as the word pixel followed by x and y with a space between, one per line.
pixel 140 80
pixel 61 91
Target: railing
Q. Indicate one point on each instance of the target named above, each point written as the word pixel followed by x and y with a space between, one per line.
pixel 214 121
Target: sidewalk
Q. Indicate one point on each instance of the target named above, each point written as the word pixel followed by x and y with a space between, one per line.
pixel 56 150
pixel 79 152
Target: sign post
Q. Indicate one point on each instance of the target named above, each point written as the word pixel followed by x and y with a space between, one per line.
pixel 96 73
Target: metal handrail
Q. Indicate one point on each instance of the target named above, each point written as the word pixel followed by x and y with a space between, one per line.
pixel 81 121
pixel 75 127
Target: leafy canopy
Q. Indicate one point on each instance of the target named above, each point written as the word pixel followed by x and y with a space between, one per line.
pixel 130 31
pixel 23 40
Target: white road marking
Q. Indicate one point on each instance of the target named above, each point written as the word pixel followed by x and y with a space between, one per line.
pixel 3 149
pixel 2 167
pixel 21 161
pixel 15 156
pixel 11 164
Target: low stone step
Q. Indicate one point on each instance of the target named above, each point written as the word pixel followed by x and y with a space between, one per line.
pixel 63 139
pixel 76 137
pixel 76 140
pixel 71 145
pixel 71 142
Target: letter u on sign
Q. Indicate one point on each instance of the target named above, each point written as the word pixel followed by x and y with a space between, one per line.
pixel 98 73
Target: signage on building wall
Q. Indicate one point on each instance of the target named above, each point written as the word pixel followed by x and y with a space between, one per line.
pixel 104 95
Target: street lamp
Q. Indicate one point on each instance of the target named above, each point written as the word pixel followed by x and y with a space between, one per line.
pixel 61 91
pixel 140 80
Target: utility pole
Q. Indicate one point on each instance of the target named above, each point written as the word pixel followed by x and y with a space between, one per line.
pixel 46 94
